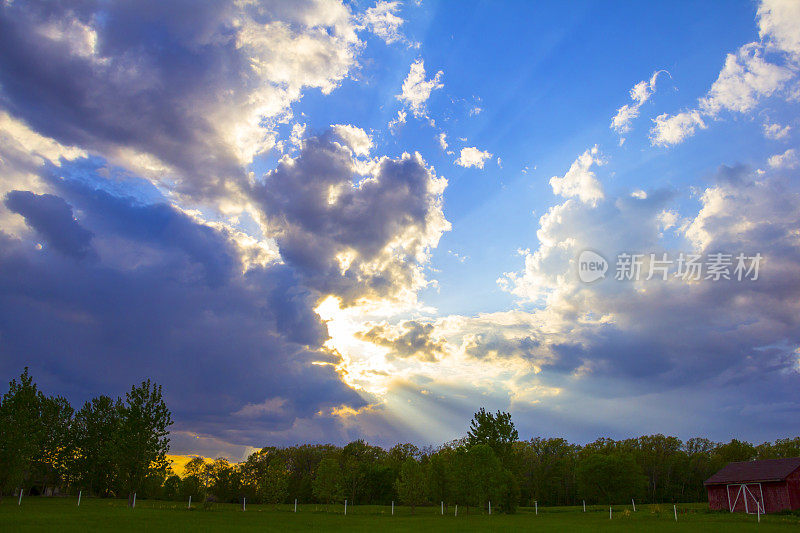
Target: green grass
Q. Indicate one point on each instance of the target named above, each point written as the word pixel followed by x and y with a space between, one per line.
pixel 62 514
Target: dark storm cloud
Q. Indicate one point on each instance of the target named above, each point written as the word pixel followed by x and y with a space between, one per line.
pixel 53 220
pixel 217 341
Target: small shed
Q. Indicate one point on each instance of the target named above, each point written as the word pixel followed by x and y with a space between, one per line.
pixel 751 487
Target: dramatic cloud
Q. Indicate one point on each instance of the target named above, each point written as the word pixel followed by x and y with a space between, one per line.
pixel 417 90
pixel 354 238
pixel 94 75
pixel 580 180
pixel 472 157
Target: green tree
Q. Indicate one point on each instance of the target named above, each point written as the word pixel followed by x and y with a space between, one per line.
pixel 57 445
pixel 495 430
pixel 610 478
pixel 95 432
pixel 327 483
pixel 274 486
pixel 143 435
pixel 21 432
pixel 411 483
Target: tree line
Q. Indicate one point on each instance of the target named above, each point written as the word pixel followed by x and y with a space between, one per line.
pixel 115 447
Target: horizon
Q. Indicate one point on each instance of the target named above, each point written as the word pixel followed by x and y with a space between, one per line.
pixel 329 221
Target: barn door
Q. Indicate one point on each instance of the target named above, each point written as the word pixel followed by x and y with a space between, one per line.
pixel 745 497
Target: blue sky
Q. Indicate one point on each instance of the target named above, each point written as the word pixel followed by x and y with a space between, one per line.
pixel 320 221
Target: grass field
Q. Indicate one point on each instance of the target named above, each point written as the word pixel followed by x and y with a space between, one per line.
pixel 62 514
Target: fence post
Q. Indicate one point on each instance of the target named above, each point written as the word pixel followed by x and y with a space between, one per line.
pixel 456 514
pixel 134 501
pixel 584 506
pixel 190 502
pixel 244 503
pixel 345 507
pixel 609 513
pixel 536 506
pixel 80 492
pixel 19 502
pixel 490 506
pixel 392 507
pixel 634 505
pixel 675 510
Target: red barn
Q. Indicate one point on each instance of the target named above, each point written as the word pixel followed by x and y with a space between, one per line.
pixel 756 486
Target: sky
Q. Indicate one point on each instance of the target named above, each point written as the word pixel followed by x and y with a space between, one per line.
pixel 319 221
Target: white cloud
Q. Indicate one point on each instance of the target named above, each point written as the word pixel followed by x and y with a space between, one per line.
pixel 395 123
pixel 416 89
pixel 640 93
pixel 443 140
pixel 383 21
pixel 778 21
pixel 747 76
pixel 787 159
pixel 776 132
pixel 674 129
pixel 580 180
pixel 356 138
pixel 472 157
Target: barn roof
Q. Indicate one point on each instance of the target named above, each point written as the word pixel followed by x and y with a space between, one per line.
pixel 765 470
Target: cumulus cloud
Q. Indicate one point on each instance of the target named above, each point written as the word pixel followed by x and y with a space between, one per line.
pixel 355 239
pixel 354 137
pixel 408 339
pixel 673 129
pixel 472 157
pixel 580 180
pixel 787 159
pixel 756 71
pixel 416 89
pixel 640 93
pixel 613 329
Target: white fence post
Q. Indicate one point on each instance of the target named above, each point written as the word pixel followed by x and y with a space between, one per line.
pixel 80 492
pixel 244 503
pixel 584 506
pixel 392 507
pixel 345 507
pixel 456 514
pixel 134 501
pixel 634 505
pixel 536 506
pixel 609 513
pixel 675 510
pixel 490 506
pixel 19 502
pixel 442 508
